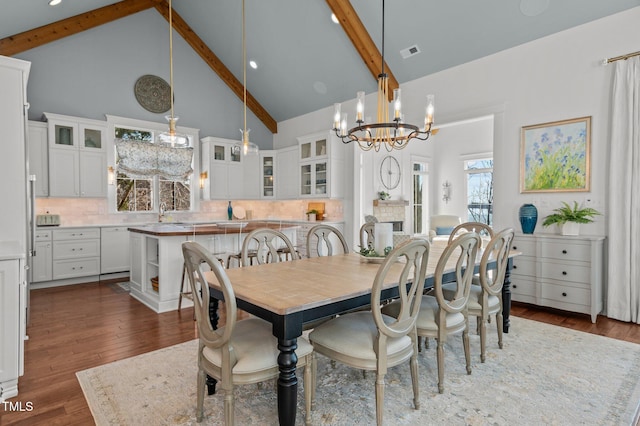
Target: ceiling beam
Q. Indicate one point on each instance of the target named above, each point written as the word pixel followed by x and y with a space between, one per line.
pixel 362 41
pixel 36 37
pixel 201 48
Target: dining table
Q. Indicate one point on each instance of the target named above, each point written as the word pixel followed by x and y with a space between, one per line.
pixel 299 292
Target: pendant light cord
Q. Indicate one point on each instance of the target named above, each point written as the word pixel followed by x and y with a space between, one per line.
pixel 244 73
pixel 382 37
pixel 171 56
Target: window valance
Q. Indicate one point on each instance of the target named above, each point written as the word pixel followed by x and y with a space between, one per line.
pixel 142 160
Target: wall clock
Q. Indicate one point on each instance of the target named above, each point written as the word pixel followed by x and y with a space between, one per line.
pixel 390 172
pixel 153 93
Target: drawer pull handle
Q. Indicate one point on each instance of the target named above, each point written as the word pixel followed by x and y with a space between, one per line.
pixel 515 286
pixel 515 247
pixel 515 266
pixel 564 294
pixel 564 272
pixel 564 252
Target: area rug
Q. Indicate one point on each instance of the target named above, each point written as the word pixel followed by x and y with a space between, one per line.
pixel 544 375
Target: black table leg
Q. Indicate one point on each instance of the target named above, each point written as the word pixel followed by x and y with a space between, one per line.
pixel 506 297
pixel 287 381
pixel 213 317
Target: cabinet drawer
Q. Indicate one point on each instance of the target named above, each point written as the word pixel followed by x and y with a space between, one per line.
pixel 566 294
pixel 523 286
pixel 526 247
pixel 524 266
pixel 76 234
pixel 76 249
pixel 76 268
pixel 566 251
pixel 565 272
pixel 42 235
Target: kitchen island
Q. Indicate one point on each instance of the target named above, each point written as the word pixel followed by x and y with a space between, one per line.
pixel 156 252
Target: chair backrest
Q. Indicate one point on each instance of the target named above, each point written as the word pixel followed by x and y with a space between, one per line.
pixel 482 229
pixel 322 237
pixel 266 242
pixel 367 239
pixel 199 260
pixel 414 256
pixel 461 254
pixel 497 250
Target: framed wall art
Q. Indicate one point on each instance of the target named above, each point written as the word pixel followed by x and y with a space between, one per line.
pixel 555 157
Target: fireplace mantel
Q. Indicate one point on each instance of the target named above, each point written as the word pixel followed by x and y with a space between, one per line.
pixel 390 203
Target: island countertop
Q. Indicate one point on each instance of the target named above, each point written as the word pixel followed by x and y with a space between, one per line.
pixel 178 229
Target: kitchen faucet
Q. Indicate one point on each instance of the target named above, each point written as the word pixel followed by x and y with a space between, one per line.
pixel 161 209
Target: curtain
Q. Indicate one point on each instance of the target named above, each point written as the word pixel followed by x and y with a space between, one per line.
pixel 623 294
pixel 142 160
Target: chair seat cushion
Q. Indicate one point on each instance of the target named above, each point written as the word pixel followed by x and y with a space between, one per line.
pixel 353 335
pixel 475 300
pixel 427 317
pixel 255 347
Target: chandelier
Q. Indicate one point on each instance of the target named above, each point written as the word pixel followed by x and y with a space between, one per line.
pixel 171 136
pixel 393 133
pixel 245 147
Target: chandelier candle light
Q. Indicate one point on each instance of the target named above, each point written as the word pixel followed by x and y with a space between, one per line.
pixel 171 137
pixel 393 133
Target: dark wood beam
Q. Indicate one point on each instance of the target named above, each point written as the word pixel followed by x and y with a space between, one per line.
pixel 201 48
pixel 18 43
pixel 362 41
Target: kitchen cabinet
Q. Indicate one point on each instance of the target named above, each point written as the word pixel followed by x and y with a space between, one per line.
pixel 76 252
pixel 563 272
pixel 231 175
pixel 267 174
pixel 287 173
pixel 114 249
pixel 11 326
pixel 78 159
pixel 321 166
pixel 42 262
pixel 39 157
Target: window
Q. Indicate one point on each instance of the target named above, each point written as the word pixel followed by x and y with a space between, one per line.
pixel 144 192
pixel 480 190
pixel 420 201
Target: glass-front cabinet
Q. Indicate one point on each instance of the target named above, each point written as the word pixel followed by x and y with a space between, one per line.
pixel 321 165
pixel 267 174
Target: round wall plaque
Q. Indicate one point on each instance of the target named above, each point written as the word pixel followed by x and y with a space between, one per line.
pixel 153 93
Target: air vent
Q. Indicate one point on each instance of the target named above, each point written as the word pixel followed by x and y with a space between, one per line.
pixel 410 51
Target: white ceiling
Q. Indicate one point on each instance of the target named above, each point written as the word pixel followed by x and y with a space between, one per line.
pixel 306 62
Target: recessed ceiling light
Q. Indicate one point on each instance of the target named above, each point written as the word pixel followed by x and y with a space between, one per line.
pixel 253 64
pixel 334 18
pixel 54 2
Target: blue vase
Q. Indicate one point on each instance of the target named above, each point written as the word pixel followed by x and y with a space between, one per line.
pixel 528 218
pixel 230 211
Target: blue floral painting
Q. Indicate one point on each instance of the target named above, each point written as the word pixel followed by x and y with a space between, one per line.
pixel 555 156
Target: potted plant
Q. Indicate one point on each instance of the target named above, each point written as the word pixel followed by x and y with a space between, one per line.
pixel 569 218
pixel 383 195
pixel 311 215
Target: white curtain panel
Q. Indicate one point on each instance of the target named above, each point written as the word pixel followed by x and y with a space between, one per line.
pixel 623 297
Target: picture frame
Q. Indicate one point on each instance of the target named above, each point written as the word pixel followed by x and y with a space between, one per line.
pixel 556 156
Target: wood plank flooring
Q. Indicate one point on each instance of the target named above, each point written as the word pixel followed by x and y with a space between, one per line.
pixel 82 326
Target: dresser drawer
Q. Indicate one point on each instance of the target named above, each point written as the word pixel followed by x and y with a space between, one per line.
pixel 523 265
pixel 523 287
pixel 76 234
pixel 526 247
pixel 565 272
pixel 566 251
pixel 76 268
pixel 42 235
pixel 566 294
pixel 76 249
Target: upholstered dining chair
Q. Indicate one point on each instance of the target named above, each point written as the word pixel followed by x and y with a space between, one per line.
pixel 240 352
pixel 321 241
pixel 370 340
pixel 439 316
pixel 486 299
pixel 266 245
pixel 367 235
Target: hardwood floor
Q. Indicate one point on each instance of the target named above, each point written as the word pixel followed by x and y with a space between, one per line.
pixel 82 326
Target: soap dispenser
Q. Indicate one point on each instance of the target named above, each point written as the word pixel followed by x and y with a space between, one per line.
pixel 230 211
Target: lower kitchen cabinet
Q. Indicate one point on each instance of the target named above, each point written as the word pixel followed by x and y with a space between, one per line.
pixel 114 249
pixel 76 252
pixel 42 263
pixel 558 271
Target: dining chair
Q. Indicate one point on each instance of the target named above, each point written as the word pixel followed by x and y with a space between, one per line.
pixel 241 352
pixel 321 241
pixel 486 299
pixel 265 245
pixel 367 235
pixel 370 340
pixel 485 231
pixel 440 316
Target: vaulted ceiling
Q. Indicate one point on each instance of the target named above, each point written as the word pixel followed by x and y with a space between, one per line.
pixel 305 61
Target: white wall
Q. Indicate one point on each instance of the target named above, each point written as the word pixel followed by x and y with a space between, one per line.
pixel 554 78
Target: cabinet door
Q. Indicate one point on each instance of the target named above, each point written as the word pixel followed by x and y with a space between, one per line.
pixel 251 177
pixel 9 321
pixel 114 250
pixel 39 157
pixel 93 174
pixel 267 183
pixel 305 179
pixel 219 180
pixel 92 137
pixel 287 177
pixel 63 173
pixel 42 262
pixel 63 134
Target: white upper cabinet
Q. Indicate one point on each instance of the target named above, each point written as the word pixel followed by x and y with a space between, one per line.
pixel 321 166
pixel 267 174
pixel 39 157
